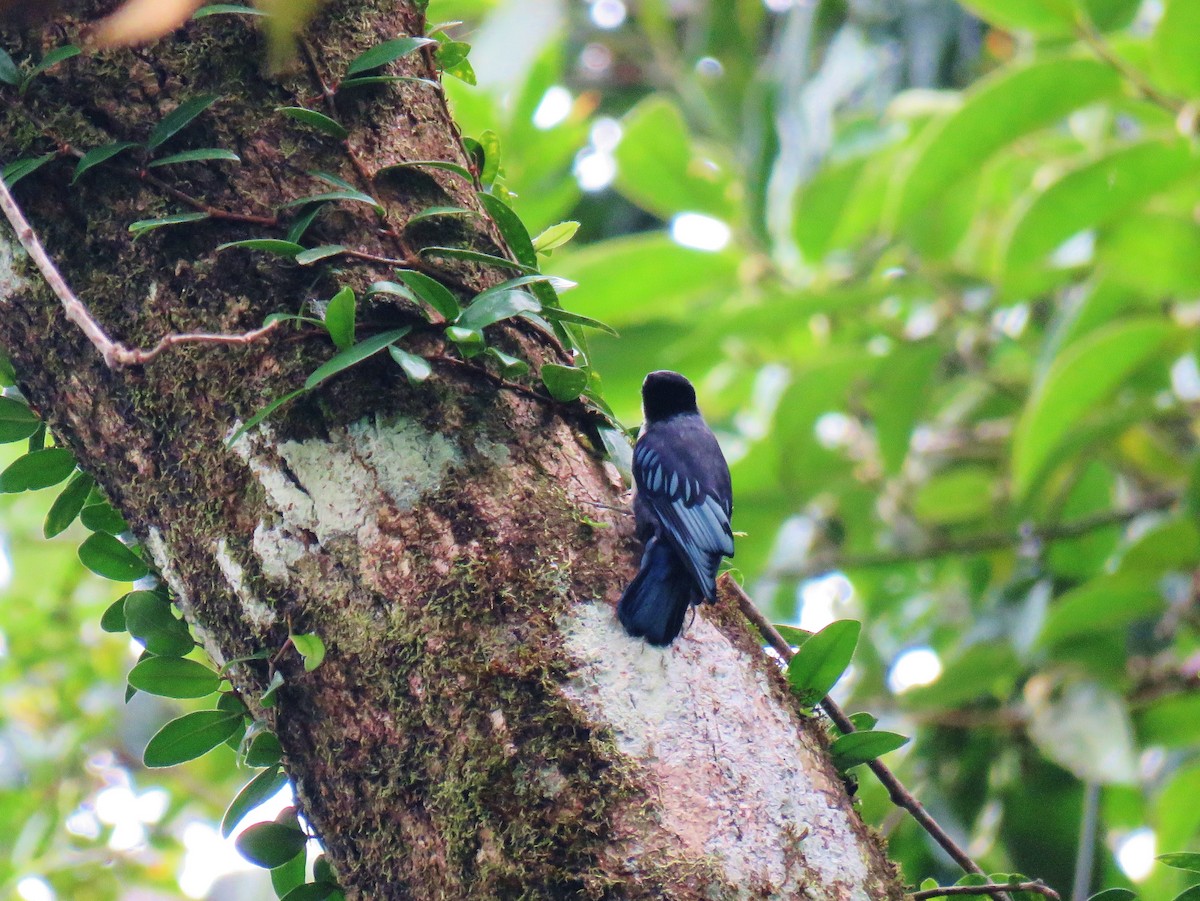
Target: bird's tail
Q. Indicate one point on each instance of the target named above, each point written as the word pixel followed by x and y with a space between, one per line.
pixel 654 604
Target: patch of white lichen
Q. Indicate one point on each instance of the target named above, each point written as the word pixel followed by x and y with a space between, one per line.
pixel 255 610
pixel 11 281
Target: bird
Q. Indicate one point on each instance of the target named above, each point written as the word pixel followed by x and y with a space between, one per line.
pixel 683 504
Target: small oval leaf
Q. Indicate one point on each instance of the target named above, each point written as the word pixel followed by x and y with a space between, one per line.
pixel 106 556
pixel 271 844
pixel 190 736
pixel 173 677
pixel 149 619
pixel 37 469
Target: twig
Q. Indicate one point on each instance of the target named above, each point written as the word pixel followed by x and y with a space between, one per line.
pixel 114 353
pixel 986 541
pixel 991 888
pixel 1095 40
pixel 899 795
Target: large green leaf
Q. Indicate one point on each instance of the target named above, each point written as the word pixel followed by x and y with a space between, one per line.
pixel 271 844
pixel 1093 195
pixel 862 747
pixel 999 111
pixel 822 659
pixel 37 469
pixel 1177 46
pixel 1081 378
pixel 173 677
pixel 106 556
pixel 149 619
pixel 190 736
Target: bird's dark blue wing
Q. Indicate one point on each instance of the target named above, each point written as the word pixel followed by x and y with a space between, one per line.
pixel 683 479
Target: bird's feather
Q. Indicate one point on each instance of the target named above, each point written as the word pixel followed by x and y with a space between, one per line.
pixel 654 604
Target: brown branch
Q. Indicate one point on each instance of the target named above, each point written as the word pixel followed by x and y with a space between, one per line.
pixel 986 541
pixel 899 795
pixel 114 353
pixel 991 888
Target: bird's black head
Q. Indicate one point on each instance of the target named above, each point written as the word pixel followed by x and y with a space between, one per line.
pixel 666 394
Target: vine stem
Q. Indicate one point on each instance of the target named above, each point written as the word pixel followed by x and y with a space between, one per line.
pixel 899 795
pixel 990 888
pixel 114 353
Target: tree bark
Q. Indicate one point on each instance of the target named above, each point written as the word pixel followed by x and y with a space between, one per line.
pixel 481 726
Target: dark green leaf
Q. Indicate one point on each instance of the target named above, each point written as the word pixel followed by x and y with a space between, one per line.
pixel 113 618
pixel 178 119
pixel 565 383
pixel 382 54
pixel 17 421
pixel 822 659
pixel 49 61
pixel 316 254
pixel 98 155
pixel 339 318
pixel 217 9
pixel 436 211
pixel 106 556
pixel 39 469
pixel 333 197
pixel 9 73
pixel 289 876
pixel 470 343
pixel 271 844
pixel 259 789
pixel 475 256
pixel 37 440
pixel 511 228
pixel 68 504
pixel 432 292
pixel 302 222
pixel 492 308
pixel 433 164
pixel 310 647
pixel 416 367
pixel 1191 893
pixel 271 245
pixel 313 891
pixel 1181 860
pixel 313 119
pixel 190 736
pixel 103 518
pixel 351 83
pixel 262 414
pixel 862 747
pixel 174 677
pixel 139 228
pixel 354 355
pixel 204 155
pixel 18 169
pixel 511 367
pixel 264 750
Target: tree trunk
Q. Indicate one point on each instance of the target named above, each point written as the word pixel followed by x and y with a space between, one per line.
pixel 481 727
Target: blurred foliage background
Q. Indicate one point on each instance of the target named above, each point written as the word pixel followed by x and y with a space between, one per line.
pixel 935 268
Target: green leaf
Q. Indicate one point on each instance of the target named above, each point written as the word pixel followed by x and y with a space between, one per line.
pixel 437 211
pixel 10 74
pixel 899 396
pixel 354 355
pixel 511 367
pixel 364 82
pixel 313 119
pixel 959 495
pixel 998 111
pixel 264 750
pixel 289 876
pixel 49 61
pixel 489 143
pixel 311 648
pixel 555 236
pixel 558 314
pixel 451 53
pixel 288 249
pixel 1094 194
pixel 149 619
pixel 262 414
pixel 1114 894
pixel 415 367
pixel 862 721
pixel 68 504
pixel 178 119
pixel 489 309
pixel 98 155
pixel 1176 46
pixel 17 421
pixel 1181 860
pixel 822 659
pixel 298 227
pixel 339 318
pixel 106 556
pixel 39 469
pixel 316 254
pixel 19 169
pixel 394 289
pixel 217 9
pixel 792 635
pixel 103 517
pixel 312 891
pixel 1103 604
pixel 190 736
pixel 139 228
pixel 432 292
pixel 270 696
pixel 470 342
pixel 174 677
pixel 862 747
pixel 433 164
pixel 113 618
pixel 261 788
pixel 565 383
pixel 1081 378
pixel 511 228
pixel 476 256
pixel 382 54
pixel 271 844
pixel 333 197
pixel 204 155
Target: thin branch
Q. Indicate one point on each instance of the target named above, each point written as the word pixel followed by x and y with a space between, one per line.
pixel 114 353
pixel 987 541
pixel 991 888
pixel 1089 34
pixel 899 795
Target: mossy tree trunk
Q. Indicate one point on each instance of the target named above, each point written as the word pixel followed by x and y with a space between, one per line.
pixel 481 727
